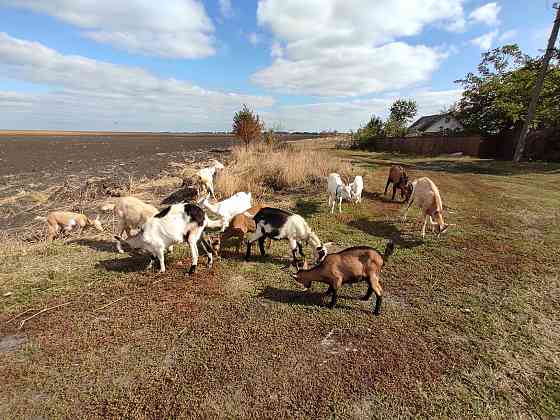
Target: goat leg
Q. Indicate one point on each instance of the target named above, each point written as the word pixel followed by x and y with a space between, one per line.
pixel 368 293
pixel 329 290
pixel 333 299
pixel 261 245
pixel 378 300
pixel 300 248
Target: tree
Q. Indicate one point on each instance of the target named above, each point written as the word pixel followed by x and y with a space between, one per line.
pixel 495 100
pixel 374 126
pixel 401 114
pixel 247 126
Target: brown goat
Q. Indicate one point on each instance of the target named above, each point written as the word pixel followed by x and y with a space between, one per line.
pixel 242 224
pixel 352 265
pixel 399 178
pixel 66 221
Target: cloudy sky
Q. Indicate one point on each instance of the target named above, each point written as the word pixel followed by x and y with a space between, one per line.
pixel 187 65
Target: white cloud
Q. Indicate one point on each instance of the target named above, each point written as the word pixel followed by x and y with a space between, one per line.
pixel 276 50
pixel 90 94
pixel 254 38
pixel 484 42
pixel 174 28
pixel 226 9
pixel 507 35
pixel 350 71
pixel 349 47
pixel 487 14
pixel 350 115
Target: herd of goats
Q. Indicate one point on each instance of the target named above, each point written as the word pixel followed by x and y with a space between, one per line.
pixel 154 232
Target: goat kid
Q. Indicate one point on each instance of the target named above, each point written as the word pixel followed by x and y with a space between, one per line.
pixel 175 224
pixel 356 187
pixel 242 224
pixel 337 191
pixel 227 209
pixel 131 214
pixel 428 199
pixel 66 221
pixel 206 176
pixel 352 265
pixel 280 224
pixel 399 179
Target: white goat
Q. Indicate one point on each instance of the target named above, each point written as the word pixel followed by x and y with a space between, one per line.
pixel 66 221
pixel 357 186
pixel 337 191
pixel 428 199
pixel 206 176
pixel 131 213
pixel 174 224
pixel 281 224
pixel 227 209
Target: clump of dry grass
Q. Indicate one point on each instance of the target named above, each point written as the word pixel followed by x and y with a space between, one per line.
pixel 264 168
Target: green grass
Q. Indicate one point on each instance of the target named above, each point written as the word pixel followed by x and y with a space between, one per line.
pixel 469 327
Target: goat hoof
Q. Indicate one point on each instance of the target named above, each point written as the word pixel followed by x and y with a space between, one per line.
pixel 192 269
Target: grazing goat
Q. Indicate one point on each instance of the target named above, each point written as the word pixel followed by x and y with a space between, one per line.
pixel 357 186
pixel 66 221
pixel 399 179
pixel 280 224
pixel 240 225
pixel 174 224
pixel 352 265
pixel 337 190
pixel 227 209
pixel 206 176
pixel 427 197
pixel 131 213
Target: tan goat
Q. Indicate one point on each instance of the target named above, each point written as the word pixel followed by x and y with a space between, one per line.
pixel 66 221
pixel 426 195
pixel 131 213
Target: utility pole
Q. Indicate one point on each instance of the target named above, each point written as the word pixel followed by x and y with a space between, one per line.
pixel 520 148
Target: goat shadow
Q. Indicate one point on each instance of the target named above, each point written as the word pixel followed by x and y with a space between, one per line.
pixel 96 244
pixel 377 196
pixel 306 298
pixel 131 264
pixel 387 230
pixel 306 208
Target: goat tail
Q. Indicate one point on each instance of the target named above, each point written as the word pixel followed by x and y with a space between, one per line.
pixel 389 249
pixel 108 207
pixel 41 218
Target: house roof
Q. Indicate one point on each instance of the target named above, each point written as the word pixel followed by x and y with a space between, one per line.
pixel 423 123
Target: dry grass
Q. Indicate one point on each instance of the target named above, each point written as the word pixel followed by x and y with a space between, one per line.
pixel 262 169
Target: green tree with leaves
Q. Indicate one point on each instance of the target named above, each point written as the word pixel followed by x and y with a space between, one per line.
pixel 495 100
pixel 402 112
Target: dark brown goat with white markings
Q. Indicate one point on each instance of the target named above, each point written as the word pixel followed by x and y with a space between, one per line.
pixel 352 265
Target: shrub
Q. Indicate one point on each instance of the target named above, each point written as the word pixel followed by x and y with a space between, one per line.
pixel 261 168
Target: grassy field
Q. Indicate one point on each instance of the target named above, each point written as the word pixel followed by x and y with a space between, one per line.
pixel 470 325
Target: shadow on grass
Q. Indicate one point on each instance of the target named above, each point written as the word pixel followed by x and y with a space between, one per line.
pixel 385 229
pixel 306 208
pixel 95 244
pixel 137 263
pixel 379 196
pixel 307 298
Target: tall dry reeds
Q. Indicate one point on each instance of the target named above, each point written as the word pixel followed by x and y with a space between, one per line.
pixel 264 168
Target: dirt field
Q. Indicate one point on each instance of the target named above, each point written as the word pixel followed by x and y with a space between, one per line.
pixel 470 324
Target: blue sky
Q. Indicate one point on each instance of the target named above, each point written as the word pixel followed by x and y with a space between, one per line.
pixel 187 65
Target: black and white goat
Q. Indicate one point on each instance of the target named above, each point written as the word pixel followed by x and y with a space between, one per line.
pixel 281 224
pixel 175 224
